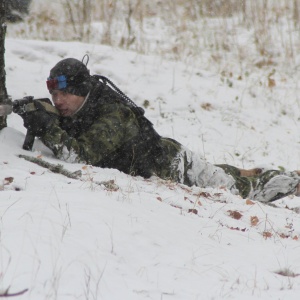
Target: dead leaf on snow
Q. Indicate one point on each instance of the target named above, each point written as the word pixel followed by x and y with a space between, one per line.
pixel 208 195
pixel 254 220
pixel 234 214
pixel 176 206
pixel 8 180
pixel 238 229
pixel 207 106
pixel 110 185
pixel 249 202
pixel 287 272
pixel 284 236
pixel 271 83
pixel 204 195
pixel 267 234
pixel 187 199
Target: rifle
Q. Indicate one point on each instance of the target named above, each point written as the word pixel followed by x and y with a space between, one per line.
pixel 24 106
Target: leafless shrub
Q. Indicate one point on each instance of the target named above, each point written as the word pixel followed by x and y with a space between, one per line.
pixel 79 15
pixel 177 29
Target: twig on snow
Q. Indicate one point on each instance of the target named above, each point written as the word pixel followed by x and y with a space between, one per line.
pixel 53 168
pixel 7 294
pixel 109 185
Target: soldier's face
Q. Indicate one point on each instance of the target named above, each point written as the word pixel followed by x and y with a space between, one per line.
pixel 67 104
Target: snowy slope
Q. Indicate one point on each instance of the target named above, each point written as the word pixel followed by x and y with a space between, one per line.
pixel 65 238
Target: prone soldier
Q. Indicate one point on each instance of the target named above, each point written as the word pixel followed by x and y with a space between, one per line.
pixel 97 124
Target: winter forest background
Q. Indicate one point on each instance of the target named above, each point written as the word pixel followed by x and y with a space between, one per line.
pixel 257 33
pixel 219 76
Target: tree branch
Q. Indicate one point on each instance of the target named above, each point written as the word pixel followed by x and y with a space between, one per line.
pixel 53 168
pixel 109 185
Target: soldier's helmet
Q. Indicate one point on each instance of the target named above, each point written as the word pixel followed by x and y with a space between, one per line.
pixel 70 75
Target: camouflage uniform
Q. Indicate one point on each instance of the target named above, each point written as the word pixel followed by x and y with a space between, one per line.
pixel 110 132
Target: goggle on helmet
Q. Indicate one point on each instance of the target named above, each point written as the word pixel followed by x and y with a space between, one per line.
pixel 57 83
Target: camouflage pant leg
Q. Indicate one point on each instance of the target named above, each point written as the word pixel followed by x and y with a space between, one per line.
pixel 163 162
pixel 174 167
pixel 243 184
pixel 266 187
pixel 183 166
pixel 273 185
pixel 191 169
pixel 179 164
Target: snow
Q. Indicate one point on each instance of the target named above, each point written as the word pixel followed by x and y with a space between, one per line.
pixel 65 238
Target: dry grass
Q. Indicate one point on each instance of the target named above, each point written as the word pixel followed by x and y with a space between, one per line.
pixel 176 29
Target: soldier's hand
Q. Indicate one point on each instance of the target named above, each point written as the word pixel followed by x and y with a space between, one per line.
pixel 39 121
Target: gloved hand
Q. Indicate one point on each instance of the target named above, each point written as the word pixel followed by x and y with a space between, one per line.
pixel 39 120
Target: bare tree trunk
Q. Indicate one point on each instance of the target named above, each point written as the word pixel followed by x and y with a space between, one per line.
pixel 296 13
pixel 3 91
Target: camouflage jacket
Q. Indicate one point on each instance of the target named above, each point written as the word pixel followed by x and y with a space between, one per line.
pixel 110 132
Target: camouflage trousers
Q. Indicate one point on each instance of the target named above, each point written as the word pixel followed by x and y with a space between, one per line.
pixel 189 168
pixel 268 186
pixel 182 165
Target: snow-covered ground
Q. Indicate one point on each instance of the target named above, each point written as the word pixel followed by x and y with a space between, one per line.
pixel 63 238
